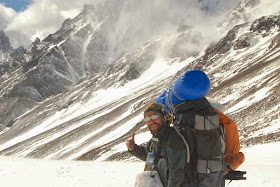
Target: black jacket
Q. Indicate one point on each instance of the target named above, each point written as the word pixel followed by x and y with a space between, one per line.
pixel 172 165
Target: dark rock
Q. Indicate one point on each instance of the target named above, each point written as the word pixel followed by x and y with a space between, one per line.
pixel 4 42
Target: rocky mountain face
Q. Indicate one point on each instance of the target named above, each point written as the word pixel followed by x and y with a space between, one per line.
pixel 243 13
pixel 80 49
pixel 244 67
pixel 76 94
pixel 9 58
pixel 84 47
pixel 4 42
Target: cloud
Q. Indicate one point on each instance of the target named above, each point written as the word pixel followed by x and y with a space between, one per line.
pixel 150 17
pixel 6 14
pixel 271 6
pixel 144 19
pixel 41 18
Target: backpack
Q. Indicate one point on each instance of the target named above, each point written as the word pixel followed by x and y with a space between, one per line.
pixel 211 138
pixel 199 126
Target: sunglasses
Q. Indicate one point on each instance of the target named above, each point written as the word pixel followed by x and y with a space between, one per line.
pixel 153 117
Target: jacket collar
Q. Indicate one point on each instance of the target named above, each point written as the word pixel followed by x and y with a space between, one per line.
pixel 161 133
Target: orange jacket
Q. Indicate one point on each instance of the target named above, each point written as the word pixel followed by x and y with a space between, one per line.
pixel 233 155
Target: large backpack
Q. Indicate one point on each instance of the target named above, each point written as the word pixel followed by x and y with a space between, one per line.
pixel 199 126
pixel 211 138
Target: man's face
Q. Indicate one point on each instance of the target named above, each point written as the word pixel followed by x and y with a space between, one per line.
pixel 154 125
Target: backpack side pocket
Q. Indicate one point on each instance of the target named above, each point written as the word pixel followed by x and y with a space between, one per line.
pixel 209 142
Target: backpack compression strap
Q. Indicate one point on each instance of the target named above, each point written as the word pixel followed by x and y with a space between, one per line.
pixel 157 156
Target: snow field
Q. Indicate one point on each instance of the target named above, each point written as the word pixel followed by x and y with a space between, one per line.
pixel 262 165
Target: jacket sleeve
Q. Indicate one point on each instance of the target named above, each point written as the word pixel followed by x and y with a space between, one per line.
pixel 233 155
pixel 140 152
pixel 177 159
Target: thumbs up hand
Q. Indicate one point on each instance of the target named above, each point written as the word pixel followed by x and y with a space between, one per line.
pixel 130 143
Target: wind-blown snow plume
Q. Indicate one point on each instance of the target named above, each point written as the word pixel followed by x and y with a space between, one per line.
pixel 149 17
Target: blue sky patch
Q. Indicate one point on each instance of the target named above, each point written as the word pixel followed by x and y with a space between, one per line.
pixel 17 5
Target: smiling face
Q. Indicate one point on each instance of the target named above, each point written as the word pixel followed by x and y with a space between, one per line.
pixel 154 125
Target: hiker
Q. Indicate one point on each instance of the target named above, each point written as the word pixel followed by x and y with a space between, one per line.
pixel 202 149
pixel 212 137
pixel 169 149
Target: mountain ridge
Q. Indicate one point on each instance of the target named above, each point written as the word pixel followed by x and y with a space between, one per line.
pixel 57 105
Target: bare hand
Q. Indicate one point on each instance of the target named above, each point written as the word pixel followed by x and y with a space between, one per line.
pixel 130 143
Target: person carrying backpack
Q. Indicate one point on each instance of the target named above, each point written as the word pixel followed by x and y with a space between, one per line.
pixel 202 148
pixel 211 137
pixel 171 156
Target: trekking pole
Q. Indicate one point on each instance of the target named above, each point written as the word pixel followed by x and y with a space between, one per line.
pixel 235 175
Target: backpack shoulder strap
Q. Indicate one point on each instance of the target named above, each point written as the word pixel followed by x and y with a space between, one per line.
pixel 186 144
pixel 163 142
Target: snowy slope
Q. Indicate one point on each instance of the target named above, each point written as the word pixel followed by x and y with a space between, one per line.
pixel 91 124
pixel 262 165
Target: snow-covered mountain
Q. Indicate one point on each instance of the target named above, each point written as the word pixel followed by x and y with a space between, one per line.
pixel 79 93
pixel 102 42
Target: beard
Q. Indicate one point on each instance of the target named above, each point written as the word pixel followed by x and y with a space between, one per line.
pixel 155 127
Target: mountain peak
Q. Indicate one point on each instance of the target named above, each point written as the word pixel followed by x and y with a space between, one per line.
pixel 37 41
pixel 4 42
